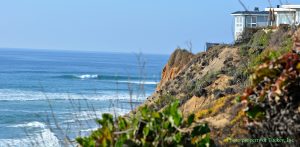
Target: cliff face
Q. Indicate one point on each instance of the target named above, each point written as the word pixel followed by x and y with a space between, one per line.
pixel 210 84
pixel 218 97
pixel 178 60
pixel 201 84
pixel 191 74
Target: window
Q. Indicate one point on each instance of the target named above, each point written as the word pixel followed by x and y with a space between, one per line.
pixel 239 21
pixel 251 21
pixel 262 19
pixel 286 18
pixel 298 14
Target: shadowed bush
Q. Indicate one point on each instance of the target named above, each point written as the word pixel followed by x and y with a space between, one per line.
pixel 149 128
pixel 273 100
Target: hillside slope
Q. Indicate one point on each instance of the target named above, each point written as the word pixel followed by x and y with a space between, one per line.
pixel 212 83
pixel 207 87
pixel 229 95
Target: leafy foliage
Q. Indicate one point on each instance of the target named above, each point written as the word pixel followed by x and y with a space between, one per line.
pixel 247 35
pixel 283 45
pixel 164 100
pixel 149 128
pixel 273 99
pixel 260 40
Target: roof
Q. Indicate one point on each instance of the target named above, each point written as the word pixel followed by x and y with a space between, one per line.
pixel 291 6
pixel 280 9
pixel 250 13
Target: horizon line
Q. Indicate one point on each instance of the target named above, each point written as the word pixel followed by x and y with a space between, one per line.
pixel 86 51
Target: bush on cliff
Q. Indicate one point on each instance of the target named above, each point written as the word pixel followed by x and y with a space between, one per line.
pixel 247 35
pixel 273 100
pixel 149 128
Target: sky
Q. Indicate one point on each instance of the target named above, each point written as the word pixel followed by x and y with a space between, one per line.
pixel 148 26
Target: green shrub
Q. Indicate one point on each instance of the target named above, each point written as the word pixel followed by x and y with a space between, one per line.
pixel 277 38
pixel 205 81
pixel 164 100
pixel 271 54
pixel 260 40
pixel 149 128
pixel 244 50
pixel 247 35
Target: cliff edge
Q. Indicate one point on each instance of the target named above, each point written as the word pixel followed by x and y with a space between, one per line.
pixel 210 84
pixel 178 60
pixel 245 94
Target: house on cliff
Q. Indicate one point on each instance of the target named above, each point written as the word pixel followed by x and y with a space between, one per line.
pixel 284 14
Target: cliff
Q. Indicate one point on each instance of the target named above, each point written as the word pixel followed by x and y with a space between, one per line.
pixel 177 61
pixel 206 86
pixel 218 97
pixel 210 84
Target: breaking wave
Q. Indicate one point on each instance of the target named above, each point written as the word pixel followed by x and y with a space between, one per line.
pixel 20 95
pixel 44 138
pixel 34 124
pixel 101 77
pixel 94 76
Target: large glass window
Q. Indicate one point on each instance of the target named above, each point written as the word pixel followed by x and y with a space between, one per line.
pixel 286 18
pixel 261 19
pixel 251 21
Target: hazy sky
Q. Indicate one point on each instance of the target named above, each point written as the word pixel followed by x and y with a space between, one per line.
pixel 149 26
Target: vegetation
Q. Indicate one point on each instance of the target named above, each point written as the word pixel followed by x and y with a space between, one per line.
pixel 265 65
pixel 273 99
pixel 149 128
pixel 271 54
pixel 179 57
pixel 164 101
pixel 262 46
pixel 247 35
pixel 198 89
pixel 215 108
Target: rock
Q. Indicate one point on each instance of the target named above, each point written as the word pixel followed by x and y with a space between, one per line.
pixel 201 92
pixel 178 60
pixel 218 93
pixel 204 63
pixel 229 91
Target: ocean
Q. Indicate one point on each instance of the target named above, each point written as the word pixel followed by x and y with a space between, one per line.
pixel 48 97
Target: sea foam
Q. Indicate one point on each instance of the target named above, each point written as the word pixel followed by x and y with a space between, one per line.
pixel 112 79
pixel 44 138
pixel 87 76
pixel 21 95
pixel 34 124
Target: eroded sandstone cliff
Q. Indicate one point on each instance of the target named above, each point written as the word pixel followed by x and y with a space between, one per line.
pixel 210 84
pixel 178 60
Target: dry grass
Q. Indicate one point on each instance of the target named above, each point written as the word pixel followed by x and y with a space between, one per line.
pixel 238 117
pixel 214 107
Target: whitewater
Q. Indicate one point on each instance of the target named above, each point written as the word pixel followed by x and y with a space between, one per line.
pixel 48 98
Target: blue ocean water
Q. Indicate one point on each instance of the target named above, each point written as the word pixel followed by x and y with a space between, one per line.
pixel 47 97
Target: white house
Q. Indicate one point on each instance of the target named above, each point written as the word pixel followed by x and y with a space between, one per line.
pixel 284 14
pixel 249 19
